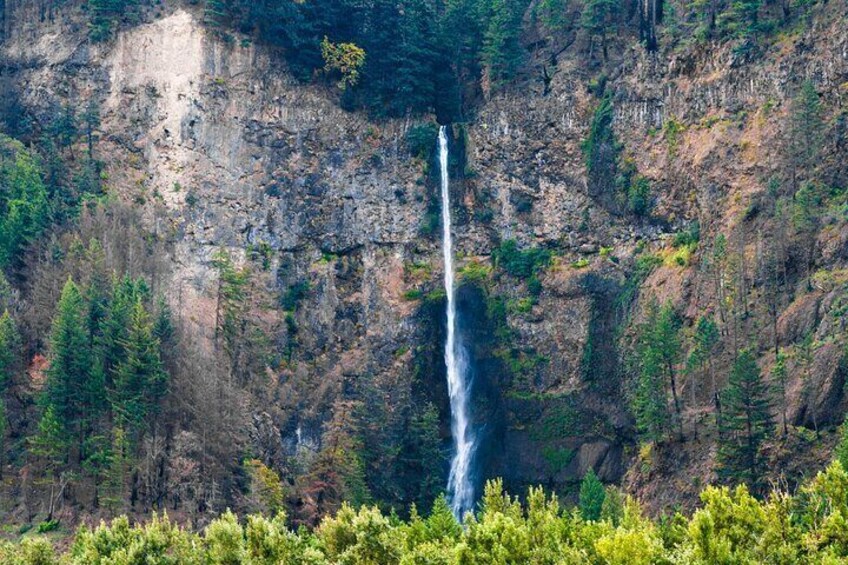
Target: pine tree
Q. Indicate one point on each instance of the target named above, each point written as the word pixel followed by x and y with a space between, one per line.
pixel 97 290
pixel 104 15
pixel 658 354
pixel 337 472
pixel 742 19
pixel 592 496
pixel 3 427
pixel 114 327
pixel 599 19
pixel 140 380
pixel 10 350
pixel 807 215
pixel 24 206
pixel 216 13
pixel 806 357
pixel 746 421
pixel 650 405
pixel 779 378
pixel 117 470
pixel 806 134
pixel 69 391
pixel 50 443
pixel 704 340
pixel 423 457
pixel 501 42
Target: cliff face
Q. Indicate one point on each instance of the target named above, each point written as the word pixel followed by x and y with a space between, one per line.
pixel 221 148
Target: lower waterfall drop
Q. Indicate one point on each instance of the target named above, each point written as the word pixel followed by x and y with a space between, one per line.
pixel 460 485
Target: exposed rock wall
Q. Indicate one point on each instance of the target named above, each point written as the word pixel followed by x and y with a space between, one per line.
pixel 223 149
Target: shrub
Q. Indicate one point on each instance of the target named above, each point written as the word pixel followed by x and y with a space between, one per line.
pixel 519 263
pixel 421 140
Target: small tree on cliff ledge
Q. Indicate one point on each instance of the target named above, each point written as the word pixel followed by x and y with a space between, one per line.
pixel 592 495
pixel 746 422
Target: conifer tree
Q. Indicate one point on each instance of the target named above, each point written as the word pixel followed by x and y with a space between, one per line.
pixel 779 378
pixel 50 442
pixel 704 340
pixel 3 428
pixel 117 470
pixel 114 327
pixel 73 397
pixel 599 19
pixel 658 354
pixel 422 456
pixel 650 405
pixel 24 206
pixel 806 133
pixel 97 290
pixel 140 380
pixel 10 350
pixel 501 46
pixel 746 420
pixel 592 496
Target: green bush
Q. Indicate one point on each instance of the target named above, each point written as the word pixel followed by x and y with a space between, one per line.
pixel 521 264
pixel 421 140
pixel 608 527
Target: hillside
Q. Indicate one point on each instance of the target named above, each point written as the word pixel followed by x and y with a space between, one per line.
pixel 642 197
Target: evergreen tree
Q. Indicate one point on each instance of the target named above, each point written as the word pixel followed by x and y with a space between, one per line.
pixel 742 19
pixel 140 380
pixel 74 398
pixel 115 326
pixel 422 456
pixel 216 13
pixel 659 352
pixel 50 443
pixel 10 350
pixel 501 45
pixel 599 19
pixel 3 427
pixel 746 421
pixel 97 290
pixel 807 214
pixel 704 340
pixel 650 405
pixel 592 496
pixel 105 15
pixel 24 206
pixel 806 134
pixel 806 357
pixel 337 472
pixel 117 470
pixel 779 378
pixel 163 330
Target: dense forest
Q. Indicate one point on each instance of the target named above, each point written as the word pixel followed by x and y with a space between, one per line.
pixel 711 373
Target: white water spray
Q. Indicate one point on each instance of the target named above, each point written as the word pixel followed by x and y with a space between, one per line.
pixel 460 486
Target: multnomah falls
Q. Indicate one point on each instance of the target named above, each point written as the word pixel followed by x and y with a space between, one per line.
pixel 460 486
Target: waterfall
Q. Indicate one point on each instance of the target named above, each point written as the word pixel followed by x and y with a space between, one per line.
pixel 460 486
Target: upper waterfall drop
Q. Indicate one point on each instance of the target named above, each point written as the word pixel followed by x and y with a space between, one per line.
pixel 460 484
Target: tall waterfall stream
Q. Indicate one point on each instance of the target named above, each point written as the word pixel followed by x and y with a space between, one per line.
pixel 460 485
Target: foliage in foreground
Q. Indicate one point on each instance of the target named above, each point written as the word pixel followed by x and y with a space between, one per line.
pixel 732 526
